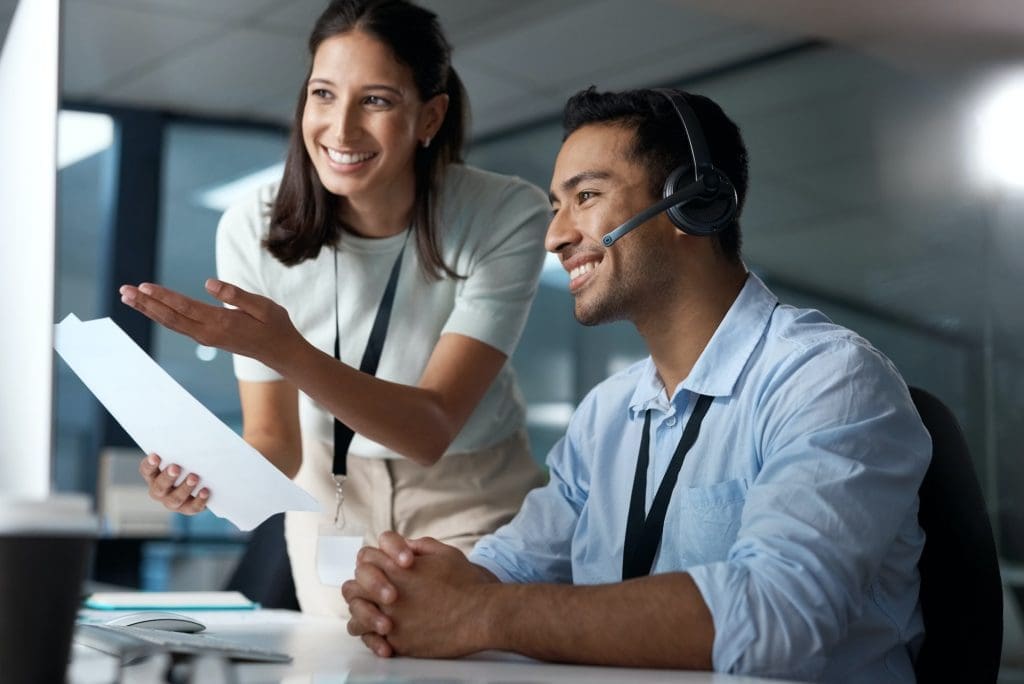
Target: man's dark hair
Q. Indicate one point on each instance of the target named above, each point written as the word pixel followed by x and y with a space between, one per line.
pixel 660 141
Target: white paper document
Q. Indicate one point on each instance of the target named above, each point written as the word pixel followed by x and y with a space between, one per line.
pixel 163 418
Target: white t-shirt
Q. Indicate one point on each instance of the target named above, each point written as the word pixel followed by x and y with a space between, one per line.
pixel 491 229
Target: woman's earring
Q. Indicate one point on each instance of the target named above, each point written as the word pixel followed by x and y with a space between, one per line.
pixel 426 143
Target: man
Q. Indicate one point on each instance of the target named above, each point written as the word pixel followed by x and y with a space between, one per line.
pixel 790 541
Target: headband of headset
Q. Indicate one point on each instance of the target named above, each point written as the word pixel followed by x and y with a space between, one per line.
pixel 699 201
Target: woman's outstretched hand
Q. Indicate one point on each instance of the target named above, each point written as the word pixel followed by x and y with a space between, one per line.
pixel 255 326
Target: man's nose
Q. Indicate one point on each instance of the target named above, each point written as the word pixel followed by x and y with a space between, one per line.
pixel 561 232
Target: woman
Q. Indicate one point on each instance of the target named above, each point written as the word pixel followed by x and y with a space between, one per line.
pixel 375 212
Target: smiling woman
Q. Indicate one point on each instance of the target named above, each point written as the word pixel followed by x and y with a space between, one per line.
pixel 379 119
pixel 362 359
pixel 362 124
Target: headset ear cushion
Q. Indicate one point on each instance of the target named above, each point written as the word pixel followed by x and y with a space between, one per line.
pixel 704 215
pixel 673 184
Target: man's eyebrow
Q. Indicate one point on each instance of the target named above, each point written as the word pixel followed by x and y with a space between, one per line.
pixel 570 183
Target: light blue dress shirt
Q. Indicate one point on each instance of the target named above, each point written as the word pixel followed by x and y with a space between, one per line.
pixel 795 512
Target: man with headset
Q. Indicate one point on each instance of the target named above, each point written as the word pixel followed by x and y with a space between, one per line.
pixel 744 499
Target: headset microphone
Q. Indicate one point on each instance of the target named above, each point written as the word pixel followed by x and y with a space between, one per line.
pixel 702 204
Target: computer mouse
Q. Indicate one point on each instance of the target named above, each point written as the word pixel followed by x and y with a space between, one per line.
pixel 150 619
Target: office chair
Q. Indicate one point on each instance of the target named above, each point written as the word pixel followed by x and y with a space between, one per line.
pixel 961 590
pixel 264 574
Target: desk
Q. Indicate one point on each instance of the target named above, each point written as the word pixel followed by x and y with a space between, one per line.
pixel 324 653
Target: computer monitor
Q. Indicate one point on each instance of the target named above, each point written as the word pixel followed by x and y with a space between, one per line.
pixel 28 182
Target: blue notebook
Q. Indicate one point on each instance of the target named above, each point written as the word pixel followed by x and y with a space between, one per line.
pixel 169 600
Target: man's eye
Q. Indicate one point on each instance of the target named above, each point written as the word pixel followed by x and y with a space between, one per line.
pixel 584 195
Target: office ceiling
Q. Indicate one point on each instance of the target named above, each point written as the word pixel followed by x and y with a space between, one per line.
pixel 927 34
pixel 242 58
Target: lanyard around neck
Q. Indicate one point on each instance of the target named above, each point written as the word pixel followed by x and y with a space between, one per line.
pixel 643 532
pixel 343 434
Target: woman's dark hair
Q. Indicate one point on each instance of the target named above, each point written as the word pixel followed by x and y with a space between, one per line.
pixel 304 216
pixel 659 143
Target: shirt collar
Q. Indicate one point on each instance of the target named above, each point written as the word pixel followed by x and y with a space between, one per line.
pixel 728 352
pixel 720 364
pixel 649 391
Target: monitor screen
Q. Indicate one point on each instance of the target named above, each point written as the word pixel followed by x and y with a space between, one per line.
pixel 28 149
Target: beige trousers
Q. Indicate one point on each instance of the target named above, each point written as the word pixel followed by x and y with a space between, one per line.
pixel 457 500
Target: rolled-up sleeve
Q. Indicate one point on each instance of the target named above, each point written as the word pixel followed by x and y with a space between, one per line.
pixel 536 546
pixel 844 453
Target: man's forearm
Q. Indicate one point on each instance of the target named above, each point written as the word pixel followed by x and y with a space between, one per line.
pixel 659 621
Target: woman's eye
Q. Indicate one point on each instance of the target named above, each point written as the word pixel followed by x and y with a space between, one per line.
pixel 320 93
pixel 376 101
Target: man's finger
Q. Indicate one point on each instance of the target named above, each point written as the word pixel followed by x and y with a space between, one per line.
pixel 374 556
pixel 367 618
pixel 375 583
pixel 397 549
pixel 350 591
pixel 428 545
pixel 379 645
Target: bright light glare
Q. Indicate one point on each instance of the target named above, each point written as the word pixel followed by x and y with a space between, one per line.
pixel 553 273
pixel 223 196
pixel 1000 152
pixel 81 135
pixel 555 414
pixel 204 353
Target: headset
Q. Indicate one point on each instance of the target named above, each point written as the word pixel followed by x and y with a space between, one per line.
pixel 700 202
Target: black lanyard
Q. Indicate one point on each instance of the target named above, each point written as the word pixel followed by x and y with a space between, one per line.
pixel 643 533
pixel 371 356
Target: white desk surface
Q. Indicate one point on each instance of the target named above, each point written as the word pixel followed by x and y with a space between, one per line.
pixel 324 653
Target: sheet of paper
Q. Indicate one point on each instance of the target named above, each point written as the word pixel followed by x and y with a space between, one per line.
pixel 163 418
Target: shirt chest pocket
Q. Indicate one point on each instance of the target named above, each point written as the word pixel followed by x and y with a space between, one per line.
pixel 701 524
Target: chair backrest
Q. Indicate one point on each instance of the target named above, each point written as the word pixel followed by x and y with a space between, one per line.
pixel 961 590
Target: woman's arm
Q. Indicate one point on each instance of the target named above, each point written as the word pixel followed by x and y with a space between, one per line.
pixel 418 422
pixel 270 422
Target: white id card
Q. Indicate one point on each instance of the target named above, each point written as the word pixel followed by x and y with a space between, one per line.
pixel 336 556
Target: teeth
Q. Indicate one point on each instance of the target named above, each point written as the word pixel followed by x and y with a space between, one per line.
pixel 583 268
pixel 348 157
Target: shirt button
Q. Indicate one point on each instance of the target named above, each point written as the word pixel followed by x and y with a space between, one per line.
pixel 670 421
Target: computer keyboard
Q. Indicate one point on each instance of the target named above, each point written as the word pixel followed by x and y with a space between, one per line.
pixel 131 643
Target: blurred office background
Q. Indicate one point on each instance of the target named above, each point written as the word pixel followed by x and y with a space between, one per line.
pixel 887 189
